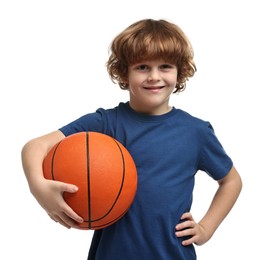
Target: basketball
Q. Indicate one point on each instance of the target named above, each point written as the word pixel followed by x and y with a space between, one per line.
pixel 102 169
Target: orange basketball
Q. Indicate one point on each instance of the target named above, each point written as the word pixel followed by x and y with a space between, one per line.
pixel 102 169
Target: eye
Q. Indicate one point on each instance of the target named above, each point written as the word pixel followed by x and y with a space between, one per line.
pixel 166 66
pixel 142 67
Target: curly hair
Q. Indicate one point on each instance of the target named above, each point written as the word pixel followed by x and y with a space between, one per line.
pixel 150 39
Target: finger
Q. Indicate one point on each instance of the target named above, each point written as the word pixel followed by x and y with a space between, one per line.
pixel 52 218
pixel 68 210
pixel 185 225
pixel 188 241
pixel 187 215
pixel 185 232
pixel 66 221
pixel 73 215
pixel 65 187
pixel 57 219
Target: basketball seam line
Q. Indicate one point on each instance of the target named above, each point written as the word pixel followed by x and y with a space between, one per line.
pixel 52 161
pixel 117 197
pixel 88 181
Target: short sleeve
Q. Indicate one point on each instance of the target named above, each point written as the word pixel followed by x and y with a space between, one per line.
pixel 90 122
pixel 214 160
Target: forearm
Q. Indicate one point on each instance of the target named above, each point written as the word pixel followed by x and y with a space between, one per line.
pixel 34 152
pixel 32 156
pixel 223 201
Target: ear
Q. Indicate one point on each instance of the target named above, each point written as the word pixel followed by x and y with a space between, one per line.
pixel 125 80
pixel 125 83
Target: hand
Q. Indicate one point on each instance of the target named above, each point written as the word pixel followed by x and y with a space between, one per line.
pixel 49 194
pixel 195 232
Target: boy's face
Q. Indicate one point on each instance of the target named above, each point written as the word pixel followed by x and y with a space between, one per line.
pixel 150 85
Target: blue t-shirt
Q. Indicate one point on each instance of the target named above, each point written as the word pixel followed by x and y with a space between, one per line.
pixel 168 150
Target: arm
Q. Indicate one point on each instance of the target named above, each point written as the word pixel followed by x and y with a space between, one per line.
pixel 48 193
pixel 225 197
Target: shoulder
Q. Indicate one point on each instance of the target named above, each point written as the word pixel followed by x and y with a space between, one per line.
pixel 97 121
pixel 192 120
pixel 110 113
pixel 113 110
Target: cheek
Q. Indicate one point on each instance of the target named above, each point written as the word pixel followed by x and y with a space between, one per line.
pixel 132 89
pixel 134 81
pixel 172 80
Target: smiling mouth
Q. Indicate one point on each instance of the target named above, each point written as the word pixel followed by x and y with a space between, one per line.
pixel 153 88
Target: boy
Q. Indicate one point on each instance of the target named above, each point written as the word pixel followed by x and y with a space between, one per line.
pixel 151 59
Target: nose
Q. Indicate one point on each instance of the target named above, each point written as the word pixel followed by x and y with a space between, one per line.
pixel 154 74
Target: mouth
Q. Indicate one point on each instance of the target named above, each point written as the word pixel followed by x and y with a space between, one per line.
pixel 154 88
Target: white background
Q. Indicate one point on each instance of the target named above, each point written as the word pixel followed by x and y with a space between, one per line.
pixel 52 70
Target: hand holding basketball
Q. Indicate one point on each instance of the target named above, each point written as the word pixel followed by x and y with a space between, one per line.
pixel 102 169
pixel 49 196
